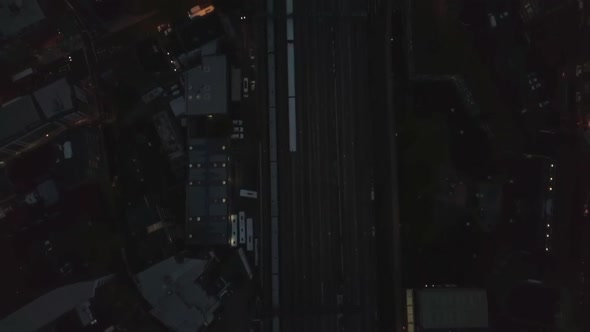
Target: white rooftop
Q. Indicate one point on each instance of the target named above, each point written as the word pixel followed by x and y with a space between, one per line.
pixel 178 301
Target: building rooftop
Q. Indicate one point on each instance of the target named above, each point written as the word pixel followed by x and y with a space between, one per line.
pixel 178 301
pixel 18 115
pixel 452 308
pixel 49 307
pixel 15 15
pixel 55 98
pixel 206 87
pixel 28 120
pixel 207 192
pixel 78 156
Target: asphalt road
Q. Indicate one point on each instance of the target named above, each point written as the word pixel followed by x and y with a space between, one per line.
pixel 328 261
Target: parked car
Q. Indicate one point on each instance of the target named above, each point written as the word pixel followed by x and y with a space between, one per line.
pixel 237 136
pixel 238 129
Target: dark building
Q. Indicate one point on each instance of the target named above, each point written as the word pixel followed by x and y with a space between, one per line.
pixel 31 120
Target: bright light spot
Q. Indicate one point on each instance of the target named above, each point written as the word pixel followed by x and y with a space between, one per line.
pixel 167 53
pixel 547 235
pixel 223 165
pixel 198 218
pixel 210 116
pixel 548 225
pixel 223 182
pixel 546 249
pixel 46 135
pixel 223 200
pixel 223 147
pixel 550 188
pixel 551 165
pixel 550 179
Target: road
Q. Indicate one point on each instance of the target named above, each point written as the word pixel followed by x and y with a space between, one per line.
pixel 328 258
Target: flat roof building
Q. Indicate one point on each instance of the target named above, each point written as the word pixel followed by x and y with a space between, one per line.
pixel 447 309
pixel 206 87
pixel 207 192
pixel 18 15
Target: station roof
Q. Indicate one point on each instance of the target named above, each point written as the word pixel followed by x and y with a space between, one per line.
pixel 207 192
